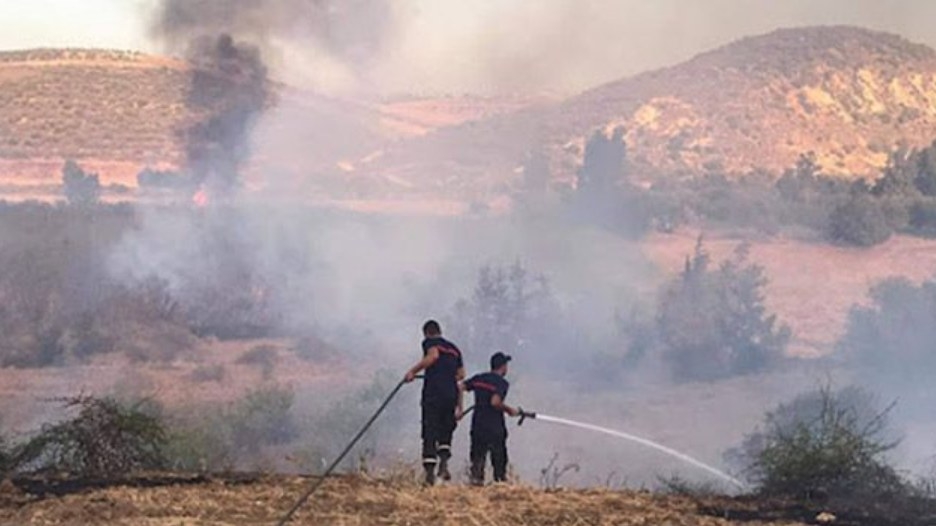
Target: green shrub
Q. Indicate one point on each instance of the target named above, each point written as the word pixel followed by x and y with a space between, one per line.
pixel 823 445
pixel 263 417
pixel 859 221
pixel 220 438
pixel 892 337
pixel 331 429
pixel 603 194
pixel 712 323
pixel 6 455
pixel 208 373
pixel 200 443
pixel 922 218
pixel 106 439
pixel 81 188
pixel 262 356
pixel 505 307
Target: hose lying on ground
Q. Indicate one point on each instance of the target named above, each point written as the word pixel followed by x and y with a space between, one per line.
pixel 315 486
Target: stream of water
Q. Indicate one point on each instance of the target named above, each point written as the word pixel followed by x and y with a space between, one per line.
pixel 644 442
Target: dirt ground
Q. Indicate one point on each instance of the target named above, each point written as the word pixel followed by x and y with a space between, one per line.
pixel 355 501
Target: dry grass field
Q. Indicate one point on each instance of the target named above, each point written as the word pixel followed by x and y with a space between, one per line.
pixel 357 501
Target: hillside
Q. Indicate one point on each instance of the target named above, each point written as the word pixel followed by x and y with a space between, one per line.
pixel 361 501
pixel 117 112
pixel 848 94
pixel 113 110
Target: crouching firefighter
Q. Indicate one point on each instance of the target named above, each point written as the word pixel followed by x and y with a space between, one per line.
pixel 488 430
pixel 443 366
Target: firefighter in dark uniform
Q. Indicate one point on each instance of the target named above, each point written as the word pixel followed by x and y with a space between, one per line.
pixel 442 362
pixel 488 430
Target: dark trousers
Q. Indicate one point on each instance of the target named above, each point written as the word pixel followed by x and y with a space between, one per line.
pixel 481 445
pixel 438 424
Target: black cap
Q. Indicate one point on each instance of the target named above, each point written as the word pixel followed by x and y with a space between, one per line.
pixel 499 359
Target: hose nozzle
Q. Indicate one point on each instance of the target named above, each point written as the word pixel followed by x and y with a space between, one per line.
pixel 524 415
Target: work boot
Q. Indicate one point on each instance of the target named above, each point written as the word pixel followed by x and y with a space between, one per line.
pixel 477 473
pixel 443 470
pixel 430 475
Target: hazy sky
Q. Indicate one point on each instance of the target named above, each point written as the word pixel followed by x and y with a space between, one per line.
pixel 505 45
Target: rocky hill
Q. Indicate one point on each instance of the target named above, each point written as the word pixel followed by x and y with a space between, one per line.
pixel 850 95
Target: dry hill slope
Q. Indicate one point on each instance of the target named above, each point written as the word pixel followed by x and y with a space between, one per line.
pixel 117 112
pixel 848 94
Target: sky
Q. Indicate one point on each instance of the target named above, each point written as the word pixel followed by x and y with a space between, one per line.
pixel 73 23
pixel 484 46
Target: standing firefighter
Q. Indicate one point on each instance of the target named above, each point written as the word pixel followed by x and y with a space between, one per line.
pixel 488 430
pixel 442 362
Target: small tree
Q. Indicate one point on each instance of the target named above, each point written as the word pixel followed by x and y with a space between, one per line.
pixel 508 310
pixel 897 181
pixel 6 456
pixel 892 338
pixel 859 221
pixel 712 323
pixel 822 445
pixel 924 162
pixel 796 184
pixel 922 217
pixel 83 189
pixel 214 438
pixel 603 165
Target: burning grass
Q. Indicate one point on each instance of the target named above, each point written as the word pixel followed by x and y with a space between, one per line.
pixel 353 501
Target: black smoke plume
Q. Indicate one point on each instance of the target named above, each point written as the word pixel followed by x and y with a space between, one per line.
pixel 230 86
pixel 228 91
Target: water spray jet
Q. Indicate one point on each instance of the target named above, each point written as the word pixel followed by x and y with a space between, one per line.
pixel 636 439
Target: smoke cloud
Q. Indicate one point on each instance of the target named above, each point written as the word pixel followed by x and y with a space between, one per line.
pixel 365 284
pixel 325 44
pixel 384 47
pixel 230 86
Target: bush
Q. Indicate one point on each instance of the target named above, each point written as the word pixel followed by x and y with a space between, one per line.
pixel 106 439
pixel 510 310
pixel 922 218
pixel 263 417
pixel 60 303
pixel 6 455
pixel 80 188
pixel 603 196
pixel 892 338
pixel 208 373
pixel 860 221
pixel 826 451
pixel 331 429
pixel 262 356
pixel 164 180
pixel 224 438
pixel 823 445
pixel 712 323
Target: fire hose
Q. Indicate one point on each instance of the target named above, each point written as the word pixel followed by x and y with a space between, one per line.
pixel 334 465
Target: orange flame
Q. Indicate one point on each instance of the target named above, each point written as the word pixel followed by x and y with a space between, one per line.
pixel 200 199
